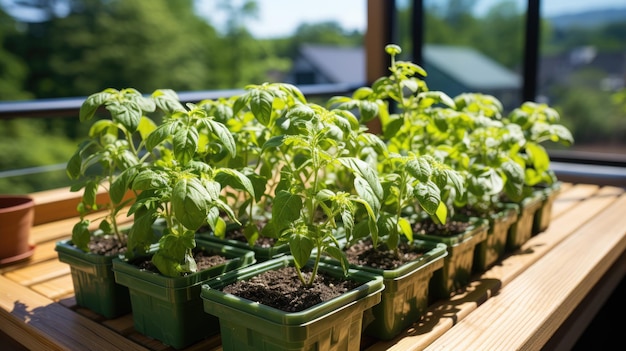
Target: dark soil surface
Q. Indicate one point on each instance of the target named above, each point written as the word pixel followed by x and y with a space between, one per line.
pixel 262 242
pixel 363 253
pixel 106 245
pixel 283 290
pixel 451 228
pixel 203 261
pixel 237 234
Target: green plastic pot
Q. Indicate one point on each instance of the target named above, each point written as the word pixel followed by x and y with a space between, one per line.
pixel 457 265
pixel 493 248
pixel 170 309
pixel 405 297
pixel 541 221
pixel 522 229
pixel 94 281
pixel 331 325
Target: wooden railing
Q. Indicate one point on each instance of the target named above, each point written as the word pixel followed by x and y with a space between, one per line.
pixel 542 295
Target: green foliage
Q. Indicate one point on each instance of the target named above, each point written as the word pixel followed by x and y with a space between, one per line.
pixel 114 145
pixel 311 146
pixel 181 186
pixel 539 123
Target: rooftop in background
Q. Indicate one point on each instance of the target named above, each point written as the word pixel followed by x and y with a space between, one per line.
pixel 452 69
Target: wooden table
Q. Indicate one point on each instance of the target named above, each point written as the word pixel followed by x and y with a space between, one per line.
pixel 542 295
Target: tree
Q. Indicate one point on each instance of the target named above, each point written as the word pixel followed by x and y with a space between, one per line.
pixel 144 44
pixel 12 70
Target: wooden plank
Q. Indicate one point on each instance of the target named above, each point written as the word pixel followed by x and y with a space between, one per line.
pixel 442 315
pixel 544 295
pixel 39 323
pixel 56 204
pixel 55 288
pixel 561 227
pixel 40 272
pixel 62 229
pixel 45 251
pixel 571 196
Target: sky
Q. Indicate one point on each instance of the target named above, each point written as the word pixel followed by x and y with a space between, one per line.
pixel 281 17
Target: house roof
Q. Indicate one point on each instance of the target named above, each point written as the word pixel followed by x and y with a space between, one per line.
pixel 466 65
pixel 337 64
pixel 470 67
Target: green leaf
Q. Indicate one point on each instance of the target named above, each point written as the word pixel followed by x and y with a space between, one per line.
pixel 274 142
pixel 90 194
pixel 166 265
pixel 185 142
pixel 118 189
pixel 73 166
pixel 127 114
pixel 489 181
pixel 157 136
pixel 339 255
pixel 301 247
pixel 259 183
pixel 91 104
pixel 189 203
pixel 538 157
pixel 235 179
pixel 441 214
pixel 251 232
pixel 174 254
pixel 368 174
pixel 146 126
pixel 405 228
pixel 149 179
pixel 285 209
pixel 225 136
pixel 457 180
pixel 368 110
pixel 103 127
pixel 428 195
pixel 141 234
pixel 419 168
pixel 515 179
pixel 561 134
pixel 167 100
pixel 365 191
pixel 81 235
pixel 261 105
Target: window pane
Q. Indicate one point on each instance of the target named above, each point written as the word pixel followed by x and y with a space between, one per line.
pixel 472 46
pixel 582 67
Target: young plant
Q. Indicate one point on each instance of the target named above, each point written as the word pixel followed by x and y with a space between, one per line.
pixel 181 187
pixel 308 207
pixel 539 123
pixel 413 186
pixel 113 146
pixel 255 117
pixel 486 154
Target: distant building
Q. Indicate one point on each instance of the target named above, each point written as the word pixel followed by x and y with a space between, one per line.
pixel 558 69
pixel 451 69
pixel 323 64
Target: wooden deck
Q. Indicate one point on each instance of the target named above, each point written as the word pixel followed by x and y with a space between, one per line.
pixel 543 294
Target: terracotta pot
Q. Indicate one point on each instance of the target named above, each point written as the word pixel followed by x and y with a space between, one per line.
pixel 16 219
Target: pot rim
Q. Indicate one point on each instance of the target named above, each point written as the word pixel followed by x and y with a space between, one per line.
pixel 9 203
